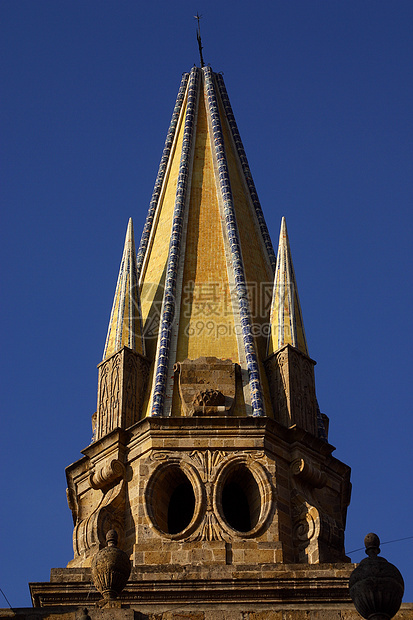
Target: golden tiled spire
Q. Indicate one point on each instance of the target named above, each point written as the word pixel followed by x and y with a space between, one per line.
pixel 125 327
pixel 286 320
pixel 205 252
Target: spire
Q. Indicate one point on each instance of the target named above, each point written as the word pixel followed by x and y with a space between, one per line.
pixel 204 254
pixel 205 385
pixel 286 320
pixel 125 327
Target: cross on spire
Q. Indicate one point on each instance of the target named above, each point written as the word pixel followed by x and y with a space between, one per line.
pixel 198 37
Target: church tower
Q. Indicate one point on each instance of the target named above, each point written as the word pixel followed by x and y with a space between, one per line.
pixel 210 456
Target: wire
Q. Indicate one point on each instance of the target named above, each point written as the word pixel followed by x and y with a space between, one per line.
pixel 382 543
pixel 8 602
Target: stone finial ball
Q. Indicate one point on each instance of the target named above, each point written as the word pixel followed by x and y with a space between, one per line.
pixel 112 538
pixel 376 586
pixel 371 540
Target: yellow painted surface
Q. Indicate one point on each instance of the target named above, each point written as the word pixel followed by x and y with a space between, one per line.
pixel 286 318
pixel 152 282
pixel 131 319
pixel 206 323
pixel 301 342
pixel 206 326
pixel 126 318
pixel 281 333
pixel 258 273
pixel 112 333
pixel 275 325
pixel 148 396
pixel 125 314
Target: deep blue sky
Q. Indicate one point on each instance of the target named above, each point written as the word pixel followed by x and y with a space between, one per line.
pixel 323 95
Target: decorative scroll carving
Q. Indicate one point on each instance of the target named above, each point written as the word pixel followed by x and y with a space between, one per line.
pixel 90 533
pixel 305 518
pixel 107 474
pixel 207 385
pixel 318 518
pixel 292 386
pixel 252 455
pixel 121 390
pixel 209 460
pixel 157 455
pixel 309 473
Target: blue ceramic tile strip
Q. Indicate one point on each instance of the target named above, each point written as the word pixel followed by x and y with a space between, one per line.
pixel 161 173
pixel 233 239
pixel 168 307
pixel 246 169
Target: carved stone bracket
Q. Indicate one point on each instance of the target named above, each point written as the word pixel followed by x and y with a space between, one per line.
pixel 112 471
pixel 207 385
pixel 305 470
pixel 90 533
pixel 318 532
pixel 97 496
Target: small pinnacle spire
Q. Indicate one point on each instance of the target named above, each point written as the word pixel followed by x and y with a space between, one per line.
pixel 198 38
pixel 286 320
pixel 125 325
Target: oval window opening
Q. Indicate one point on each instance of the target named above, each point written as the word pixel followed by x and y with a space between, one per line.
pixel 241 501
pixel 172 500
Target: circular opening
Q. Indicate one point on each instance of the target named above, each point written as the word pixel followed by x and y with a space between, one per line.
pixel 172 501
pixel 241 500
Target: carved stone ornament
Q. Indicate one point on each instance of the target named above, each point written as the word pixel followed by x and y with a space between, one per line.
pixel 114 470
pixel 207 385
pixel 121 390
pixel 91 528
pixel 110 568
pixel 292 386
pixel 376 586
pixel 208 461
pixel 313 476
pixel 318 530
